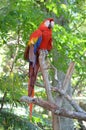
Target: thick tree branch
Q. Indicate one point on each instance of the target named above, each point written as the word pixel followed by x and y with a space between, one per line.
pixel 54 108
pixel 43 67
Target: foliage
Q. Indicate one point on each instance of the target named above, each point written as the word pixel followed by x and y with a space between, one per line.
pixel 13 122
pixel 18 19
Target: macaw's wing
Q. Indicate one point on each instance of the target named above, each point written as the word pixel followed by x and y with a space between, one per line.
pixel 34 42
pixel 34 37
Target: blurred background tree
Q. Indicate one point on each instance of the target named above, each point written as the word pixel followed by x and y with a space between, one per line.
pixel 18 19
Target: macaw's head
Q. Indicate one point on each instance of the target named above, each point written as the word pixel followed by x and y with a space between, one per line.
pixel 48 23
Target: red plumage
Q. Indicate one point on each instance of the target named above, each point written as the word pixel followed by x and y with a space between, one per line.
pixel 46 43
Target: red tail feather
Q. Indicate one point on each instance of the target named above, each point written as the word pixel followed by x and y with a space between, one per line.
pixel 31 105
pixel 32 78
pixel 30 94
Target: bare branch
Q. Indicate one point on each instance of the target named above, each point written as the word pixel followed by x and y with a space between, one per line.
pixel 69 99
pixel 54 108
pixel 68 76
pixel 56 73
pixel 43 65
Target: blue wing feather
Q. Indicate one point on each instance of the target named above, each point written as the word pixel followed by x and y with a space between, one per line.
pixel 37 44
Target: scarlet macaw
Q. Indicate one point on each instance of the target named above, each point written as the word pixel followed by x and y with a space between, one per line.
pixel 39 39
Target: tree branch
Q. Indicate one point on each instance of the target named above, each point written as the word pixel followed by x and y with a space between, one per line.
pixel 68 76
pixel 69 99
pixel 54 108
pixel 43 65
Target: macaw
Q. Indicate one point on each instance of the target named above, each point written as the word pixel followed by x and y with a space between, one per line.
pixel 39 39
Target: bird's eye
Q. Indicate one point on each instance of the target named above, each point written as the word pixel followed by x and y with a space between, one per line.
pixel 52 24
pixel 47 23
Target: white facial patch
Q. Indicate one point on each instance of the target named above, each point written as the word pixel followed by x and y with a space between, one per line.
pixel 52 24
pixel 47 23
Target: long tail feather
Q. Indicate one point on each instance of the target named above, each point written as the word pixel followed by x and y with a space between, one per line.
pixel 32 78
pixel 30 94
pixel 31 105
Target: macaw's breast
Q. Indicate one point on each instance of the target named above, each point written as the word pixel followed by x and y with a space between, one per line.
pixel 46 38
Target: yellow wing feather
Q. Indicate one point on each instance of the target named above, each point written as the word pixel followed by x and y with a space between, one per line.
pixel 32 41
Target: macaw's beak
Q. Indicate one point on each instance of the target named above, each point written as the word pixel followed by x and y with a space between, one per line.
pixel 50 26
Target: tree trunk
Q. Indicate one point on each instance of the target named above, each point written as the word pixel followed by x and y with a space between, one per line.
pixel 66 123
